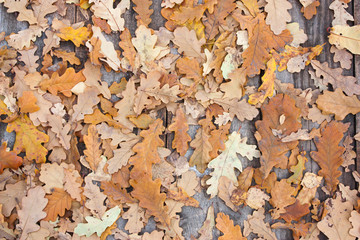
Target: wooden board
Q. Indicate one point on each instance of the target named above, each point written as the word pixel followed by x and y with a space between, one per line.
pixel 317 31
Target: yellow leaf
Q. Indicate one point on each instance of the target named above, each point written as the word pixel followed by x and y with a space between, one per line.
pixel 28 138
pixel 77 36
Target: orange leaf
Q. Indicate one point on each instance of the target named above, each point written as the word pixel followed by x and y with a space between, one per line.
pixel 238 196
pixel 101 24
pixel 27 102
pixel 190 67
pixel 272 149
pixel 77 36
pixel 98 117
pixel 128 48
pixel 143 10
pixel 282 195
pixel 148 193
pixel 92 152
pixel 67 56
pixel 295 211
pixel 218 138
pixel 147 150
pixel 63 83
pixel 226 226
pixel 59 200
pixel 329 153
pixel 28 138
pixel 8 159
pixel 180 127
pixel 116 192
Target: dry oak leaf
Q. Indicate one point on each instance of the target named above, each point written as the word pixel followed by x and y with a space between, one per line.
pixel 355 222
pixel 144 12
pixel 52 175
pixel 333 76
pixel 29 58
pixel 96 198
pixel 77 36
pixel 63 83
pixel 202 146
pixel 295 211
pixel 32 211
pixel 126 105
pixel 122 155
pixel 145 44
pixel 226 226
pixel 227 161
pixel 126 45
pixel 342 56
pixel 256 198
pixel 92 151
pixel 218 138
pixel 278 15
pixel 190 67
pixel 148 193
pixel 8 159
pixel 239 108
pixel 188 43
pixel 341 16
pixel 147 151
pixel 72 183
pixel 181 196
pixel 180 127
pixel 206 230
pixel 28 138
pixel 25 14
pixel 329 153
pixel 10 197
pixel 136 218
pixel 310 10
pixel 338 103
pixel 346 37
pixel 59 200
pixel 336 225
pixel 116 193
pixel 282 195
pixel 96 225
pixel 104 9
pixel 256 224
pixel 70 57
pixel 85 103
pixel 27 102
pixel 61 131
pixel 238 196
pixel 272 149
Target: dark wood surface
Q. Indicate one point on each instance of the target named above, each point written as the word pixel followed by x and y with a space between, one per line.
pixel 316 29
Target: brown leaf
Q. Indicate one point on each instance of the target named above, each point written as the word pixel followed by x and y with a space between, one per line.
pixel 329 153
pixel 8 159
pixel 27 102
pixel 183 197
pixel 180 127
pixel 143 10
pixel 126 45
pixel 310 10
pixel 282 195
pixel 58 202
pixel 295 211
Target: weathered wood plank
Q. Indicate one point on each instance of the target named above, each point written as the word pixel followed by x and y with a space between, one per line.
pixel 356 5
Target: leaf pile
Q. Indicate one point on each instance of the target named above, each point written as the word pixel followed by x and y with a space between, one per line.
pixel 141 147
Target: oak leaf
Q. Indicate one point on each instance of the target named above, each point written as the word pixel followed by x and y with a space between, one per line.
pixel 104 9
pixel 341 16
pixel 226 226
pixel 240 108
pixel 183 197
pixel 218 138
pixel 238 196
pixel 136 217
pixel 96 225
pixel 333 76
pixel 190 67
pixel 32 211
pixel 336 224
pixel 52 175
pixel 181 137
pixel 148 193
pixel 346 37
pixel 28 138
pixel 206 230
pixel 77 36
pixel 25 14
pixel 144 12
pixel 355 222
pixel 93 151
pixel 63 83
pixel 126 45
pixel 201 154
pixel 70 57
pixel 282 195
pixel 342 56
pixel 295 211
pixel 96 198
pixel 227 161
pixel 256 224
pixel 188 43
pixel 147 151
pixel 310 10
pixel 338 103
pixel 116 193
pixel 277 14
pixel 58 201
pixel 9 198
pixel 85 103
pixel 272 149
pixel 8 159
pixel 329 153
